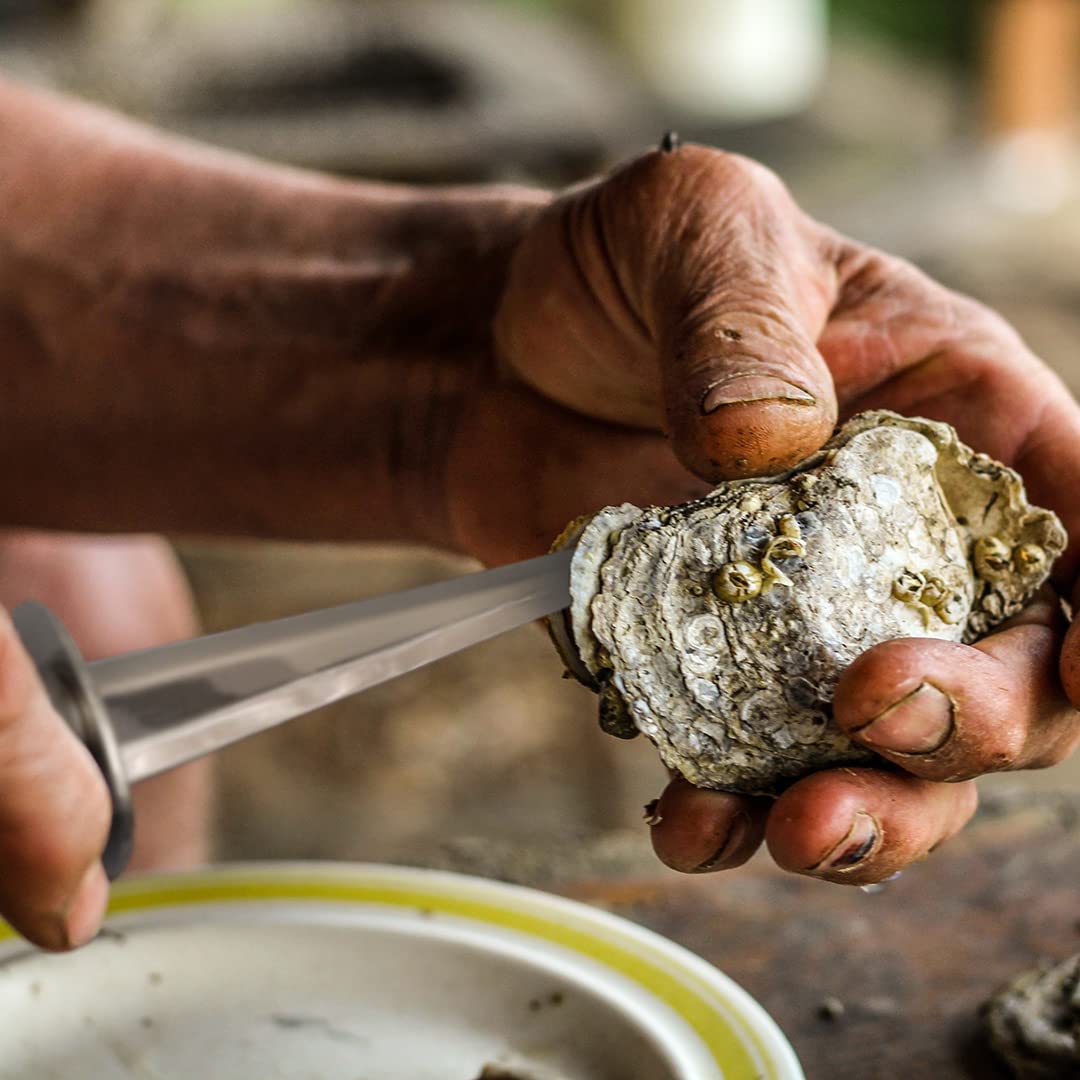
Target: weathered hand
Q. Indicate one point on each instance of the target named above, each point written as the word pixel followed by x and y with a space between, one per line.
pixel 54 812
pixel 113 594
pixel 686 298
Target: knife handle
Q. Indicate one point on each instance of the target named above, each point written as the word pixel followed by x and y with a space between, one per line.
pixel 71 691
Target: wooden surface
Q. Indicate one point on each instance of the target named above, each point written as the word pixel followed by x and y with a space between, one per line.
pixel 910 964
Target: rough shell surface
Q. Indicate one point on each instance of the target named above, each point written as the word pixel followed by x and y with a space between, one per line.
pixel 719 628
pixel 1034 1022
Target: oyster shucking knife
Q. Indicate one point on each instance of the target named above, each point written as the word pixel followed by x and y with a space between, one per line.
pixel 145 712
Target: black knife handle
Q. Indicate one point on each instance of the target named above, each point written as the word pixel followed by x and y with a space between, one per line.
pixel 67 680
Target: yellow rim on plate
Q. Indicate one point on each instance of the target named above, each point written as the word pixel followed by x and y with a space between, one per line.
pixel 726 1020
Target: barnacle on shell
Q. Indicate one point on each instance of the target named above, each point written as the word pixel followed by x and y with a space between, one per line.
pixel 737 581
pixel 934 592
pixel 1030 560
pixel 720 628
pixel 908 586
pixel 993 558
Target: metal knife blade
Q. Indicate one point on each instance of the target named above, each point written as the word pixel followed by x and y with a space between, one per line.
pixel 171 704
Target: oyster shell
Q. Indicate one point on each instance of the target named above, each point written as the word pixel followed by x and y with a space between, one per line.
pixel 719 628
pixel 1034 1022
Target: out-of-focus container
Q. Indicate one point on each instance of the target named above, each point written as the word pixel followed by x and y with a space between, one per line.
pixel 1030 57
pixel 737 60
pixel 344 970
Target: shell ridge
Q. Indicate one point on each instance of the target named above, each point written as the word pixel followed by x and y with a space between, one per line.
pixel 727 657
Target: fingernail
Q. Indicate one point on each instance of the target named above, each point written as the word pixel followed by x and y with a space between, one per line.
pixel 919 723
pixel 738 389
pixel 856 845
pixel 735 836
pixel 652 813
pixel 87 907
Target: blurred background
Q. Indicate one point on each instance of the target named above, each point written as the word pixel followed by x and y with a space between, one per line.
pixel 945 132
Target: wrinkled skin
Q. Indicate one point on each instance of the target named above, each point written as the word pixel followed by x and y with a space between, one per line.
pixel 638 300
pixel 492 366
pixel 114 594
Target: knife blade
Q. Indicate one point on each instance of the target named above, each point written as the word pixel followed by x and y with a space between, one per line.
pixel 145 712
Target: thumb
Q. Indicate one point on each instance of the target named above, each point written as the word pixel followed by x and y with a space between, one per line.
pixel 737 315
pixel 683 291
pixel 54 812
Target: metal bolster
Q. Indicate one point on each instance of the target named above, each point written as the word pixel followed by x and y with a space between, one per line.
pixel 67 680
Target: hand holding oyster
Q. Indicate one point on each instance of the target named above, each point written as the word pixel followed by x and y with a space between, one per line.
pixel 720 628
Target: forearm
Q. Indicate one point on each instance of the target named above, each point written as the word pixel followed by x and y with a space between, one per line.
pixel 195 342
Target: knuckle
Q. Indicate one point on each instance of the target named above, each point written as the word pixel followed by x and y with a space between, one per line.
pixel 867 274
pixel 986 333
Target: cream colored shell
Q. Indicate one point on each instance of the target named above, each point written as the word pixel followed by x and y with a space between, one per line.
pixel 719 628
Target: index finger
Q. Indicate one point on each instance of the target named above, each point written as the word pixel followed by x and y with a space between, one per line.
pixel 946 711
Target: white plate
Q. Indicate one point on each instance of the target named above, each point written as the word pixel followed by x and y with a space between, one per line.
pixel 372 973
